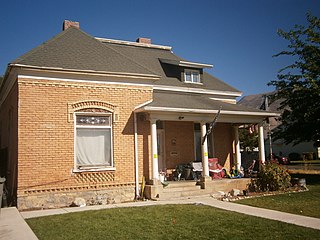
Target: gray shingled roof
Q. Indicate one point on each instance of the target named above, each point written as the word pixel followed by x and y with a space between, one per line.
pixel 150 58
pixel 74 49
pixel 257 101
pixel 162 99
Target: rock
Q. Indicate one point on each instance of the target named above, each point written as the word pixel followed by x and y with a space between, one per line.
pixel 221 193
pixel 235 192
pixel 79 202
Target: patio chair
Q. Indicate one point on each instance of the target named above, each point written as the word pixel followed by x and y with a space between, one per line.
pixel 196 170
pixel 215 169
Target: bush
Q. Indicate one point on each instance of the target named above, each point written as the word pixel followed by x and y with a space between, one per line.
pixel 272 177
pixel 294 156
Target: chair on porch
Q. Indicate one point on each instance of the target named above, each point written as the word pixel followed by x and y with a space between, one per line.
pixel 197 170
pixel 215 169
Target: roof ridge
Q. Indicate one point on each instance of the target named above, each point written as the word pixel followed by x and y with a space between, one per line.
pixel 135 44
pixel 97 42
pixel 129 58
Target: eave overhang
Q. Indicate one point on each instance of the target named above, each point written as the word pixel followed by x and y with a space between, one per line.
pixel 182 63
pixel 89 72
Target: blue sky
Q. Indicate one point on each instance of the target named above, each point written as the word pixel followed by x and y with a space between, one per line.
pixel 237 37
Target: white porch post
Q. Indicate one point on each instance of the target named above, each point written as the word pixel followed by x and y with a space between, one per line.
pixel 237 147
pixel 154 150
pixel 262 156
pixel 204 149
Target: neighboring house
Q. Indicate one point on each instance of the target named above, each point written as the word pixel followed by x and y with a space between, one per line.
pixel 89 117
pixel 260 101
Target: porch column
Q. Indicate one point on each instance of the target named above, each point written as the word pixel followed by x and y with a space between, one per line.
pixel 204 150
pixel 237 147
pixel 262 156
pixel 154 150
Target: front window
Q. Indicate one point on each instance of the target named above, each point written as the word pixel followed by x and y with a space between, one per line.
pixel 93 141
pixel 192 76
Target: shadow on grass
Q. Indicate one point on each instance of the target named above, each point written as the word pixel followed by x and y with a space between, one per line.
pixel 165 222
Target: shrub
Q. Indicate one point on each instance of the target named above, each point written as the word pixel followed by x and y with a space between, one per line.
pixel 294 156
pixel 272 177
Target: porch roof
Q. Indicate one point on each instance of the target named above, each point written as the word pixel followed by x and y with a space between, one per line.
pixel 165 102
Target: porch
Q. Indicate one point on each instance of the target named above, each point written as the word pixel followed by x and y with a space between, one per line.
pixel 181 132
pixel 190 188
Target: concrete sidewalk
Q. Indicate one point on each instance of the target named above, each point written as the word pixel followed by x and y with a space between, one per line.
pixel 253 211
pixel 13 226
pixel 299 220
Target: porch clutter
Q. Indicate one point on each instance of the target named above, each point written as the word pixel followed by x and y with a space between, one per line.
pixel 193 171
pixel 215 169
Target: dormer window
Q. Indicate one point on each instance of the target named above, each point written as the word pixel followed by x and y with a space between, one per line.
pixel 192 76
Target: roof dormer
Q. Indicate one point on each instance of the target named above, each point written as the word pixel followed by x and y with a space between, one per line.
pixel 188 72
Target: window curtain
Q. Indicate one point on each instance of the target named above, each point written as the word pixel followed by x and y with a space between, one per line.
pixel 93 146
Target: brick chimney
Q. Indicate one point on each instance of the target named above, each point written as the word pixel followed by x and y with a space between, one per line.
pixel 67 24
pixel 144 40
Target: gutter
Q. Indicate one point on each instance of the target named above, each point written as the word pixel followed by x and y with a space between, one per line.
pixel 89 72
pixel 136 157
pixel 207 111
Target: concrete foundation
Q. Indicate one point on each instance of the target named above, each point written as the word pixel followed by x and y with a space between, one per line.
pixel 65 199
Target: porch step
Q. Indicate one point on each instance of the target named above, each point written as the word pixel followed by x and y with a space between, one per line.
pixel 182 189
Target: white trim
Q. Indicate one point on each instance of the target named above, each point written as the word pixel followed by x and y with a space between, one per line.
pixel 237 147
pixel 143 104
pixel 93 170
pixel 195 64
pixel 183 63
pixel 190 110
pixel 90 72
pixel 7 84
pixel 267 114
pixel 228 100
pixel 155 87
pixel 83 81
pixel 204 150
pixel 87 169
pixel 195 90
pixel 122 42
pixel 154 150
pixel 136 155
pixel 262 156
pixel 74 143
pixel 192 76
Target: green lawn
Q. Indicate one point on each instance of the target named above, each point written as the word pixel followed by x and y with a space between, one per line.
pixel 302 203
pixel 165 222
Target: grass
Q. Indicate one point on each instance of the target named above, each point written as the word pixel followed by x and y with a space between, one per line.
pixel 165 222
pixel 302 203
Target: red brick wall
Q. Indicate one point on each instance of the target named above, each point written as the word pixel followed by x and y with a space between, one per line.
pixel 223 144
pixel 179 138
pixel 46 138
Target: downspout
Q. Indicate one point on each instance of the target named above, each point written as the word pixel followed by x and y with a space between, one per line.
pixel 136 157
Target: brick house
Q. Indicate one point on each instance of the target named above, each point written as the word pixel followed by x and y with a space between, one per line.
pixel 88 117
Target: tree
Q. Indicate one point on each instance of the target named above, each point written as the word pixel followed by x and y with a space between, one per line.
pixel 298 84
pixel 248 141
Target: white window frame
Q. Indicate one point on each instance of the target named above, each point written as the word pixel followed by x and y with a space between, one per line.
pixel 93 167
pixel 192 74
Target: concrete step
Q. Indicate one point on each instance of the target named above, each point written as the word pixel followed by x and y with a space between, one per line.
pixel 182 195
pixel 181 190
pixel 178 184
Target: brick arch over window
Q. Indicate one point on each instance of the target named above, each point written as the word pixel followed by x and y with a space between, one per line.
pixel 90 105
